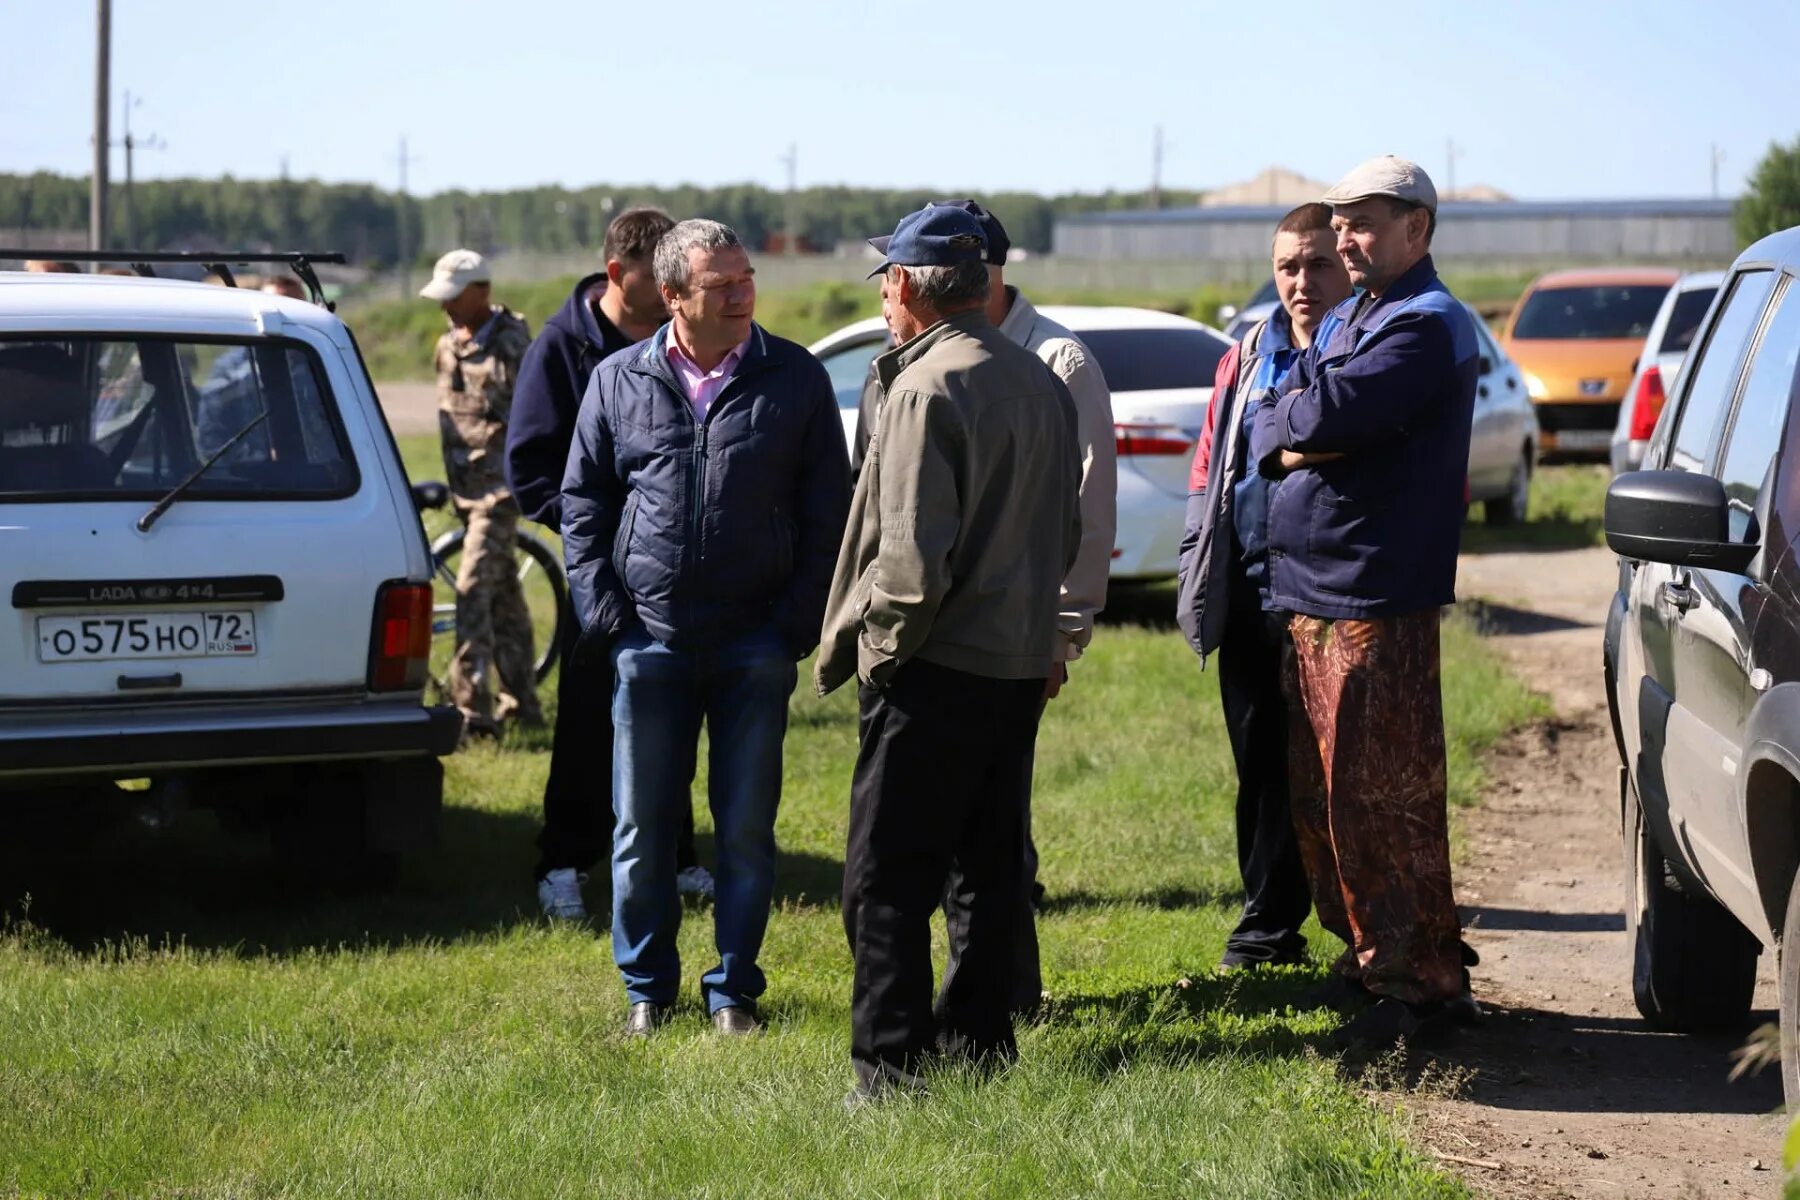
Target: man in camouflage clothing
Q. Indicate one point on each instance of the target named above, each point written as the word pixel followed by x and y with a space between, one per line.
pixel 477 360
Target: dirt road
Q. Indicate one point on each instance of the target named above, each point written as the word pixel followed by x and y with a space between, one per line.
pixel 410 407
pixel 1572 1095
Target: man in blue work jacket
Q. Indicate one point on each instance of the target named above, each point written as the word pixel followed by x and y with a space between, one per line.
pixel 1372 443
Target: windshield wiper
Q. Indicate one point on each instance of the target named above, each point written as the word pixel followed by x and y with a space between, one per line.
pixel 162 506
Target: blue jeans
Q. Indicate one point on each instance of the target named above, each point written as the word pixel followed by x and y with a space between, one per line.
pixel 660 696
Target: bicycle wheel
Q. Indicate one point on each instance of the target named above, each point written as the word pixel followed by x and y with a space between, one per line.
pixel 546 596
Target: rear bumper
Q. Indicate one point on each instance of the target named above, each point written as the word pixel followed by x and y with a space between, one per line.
pixel 119 742
pixel 1577 428
pixel 1147 541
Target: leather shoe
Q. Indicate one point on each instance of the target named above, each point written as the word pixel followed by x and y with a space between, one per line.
pixel 734 1021
pixel 643 1019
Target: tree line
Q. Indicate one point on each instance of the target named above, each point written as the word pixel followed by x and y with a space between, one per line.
pixel 376 227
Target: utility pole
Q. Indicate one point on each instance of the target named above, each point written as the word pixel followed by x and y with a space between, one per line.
pixel 102 139
pixel 1451 154
pixel 1717 157
pixel 403 260
pixel 791 160
pixel 286 231
pixel 1156 165
pixel 150 143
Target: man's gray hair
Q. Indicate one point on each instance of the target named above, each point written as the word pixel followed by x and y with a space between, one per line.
pixel 955 286
pixel 695 234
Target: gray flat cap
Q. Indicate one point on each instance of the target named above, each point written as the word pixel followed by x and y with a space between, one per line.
pixel 1385 176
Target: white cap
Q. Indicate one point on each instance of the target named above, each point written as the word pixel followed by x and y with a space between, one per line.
pixel 454 272
pixel 1385 176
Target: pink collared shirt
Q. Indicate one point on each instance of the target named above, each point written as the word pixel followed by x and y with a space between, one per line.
pixel 702 387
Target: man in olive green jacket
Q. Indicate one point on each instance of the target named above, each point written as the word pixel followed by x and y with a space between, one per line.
pixel 944 605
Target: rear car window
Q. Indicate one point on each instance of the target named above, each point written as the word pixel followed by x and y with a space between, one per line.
pixel 1600 311
pixel 849 370
pixel 117 418
pixel 1143 360
pixel 1684 319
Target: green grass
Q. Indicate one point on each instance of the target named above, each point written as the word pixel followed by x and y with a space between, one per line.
pixel 173 1022
pixel 1565 511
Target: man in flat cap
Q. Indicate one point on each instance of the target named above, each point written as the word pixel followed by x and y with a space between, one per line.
pixel 944 606
pixel 1371 444
pixel 477 359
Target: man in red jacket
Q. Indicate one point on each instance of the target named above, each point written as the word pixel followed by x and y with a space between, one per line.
pixel 1224 576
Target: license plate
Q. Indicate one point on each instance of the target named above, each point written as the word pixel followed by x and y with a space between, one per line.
pixel 1583 439
pixel 147 635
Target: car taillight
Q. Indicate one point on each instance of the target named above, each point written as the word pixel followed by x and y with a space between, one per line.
pixel 1163 440
pixel 400 648
pixel 1646 404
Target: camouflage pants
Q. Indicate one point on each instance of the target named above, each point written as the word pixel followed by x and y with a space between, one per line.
pixel 491 676
pixel 1366 769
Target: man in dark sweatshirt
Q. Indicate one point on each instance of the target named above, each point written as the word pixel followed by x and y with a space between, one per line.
pixel 608 311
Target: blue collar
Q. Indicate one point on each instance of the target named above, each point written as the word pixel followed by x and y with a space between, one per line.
pixel 1277 333
pixel 1415 279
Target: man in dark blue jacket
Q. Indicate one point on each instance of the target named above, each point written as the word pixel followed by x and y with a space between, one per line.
pixel 607 312
pixel 703 503
pixel 1372 446
pixel 1224 583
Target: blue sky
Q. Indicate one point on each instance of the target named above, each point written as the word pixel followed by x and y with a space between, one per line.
pixel 1547 100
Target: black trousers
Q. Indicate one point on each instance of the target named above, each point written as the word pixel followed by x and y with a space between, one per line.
pixel 578 808
pixel 1276 896
pixel 1027 986
pixel 936 787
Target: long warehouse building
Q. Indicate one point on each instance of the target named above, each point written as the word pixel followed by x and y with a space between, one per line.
pixel 1518 233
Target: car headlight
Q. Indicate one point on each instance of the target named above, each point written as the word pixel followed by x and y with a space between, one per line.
pixel 1534 387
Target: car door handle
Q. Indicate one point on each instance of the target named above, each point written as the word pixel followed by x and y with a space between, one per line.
pixel 1679 594
pixel 1511 382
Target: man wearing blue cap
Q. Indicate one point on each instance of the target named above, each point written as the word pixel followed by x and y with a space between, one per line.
pixel 944 606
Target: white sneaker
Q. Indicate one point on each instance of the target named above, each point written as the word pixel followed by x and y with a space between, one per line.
pixel 559 894
pixel 695 881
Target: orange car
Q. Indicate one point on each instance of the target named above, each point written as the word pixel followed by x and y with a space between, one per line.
pixel 1576 336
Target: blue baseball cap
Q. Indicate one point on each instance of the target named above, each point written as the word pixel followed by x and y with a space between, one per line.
pixel 938 235
pixel 997 242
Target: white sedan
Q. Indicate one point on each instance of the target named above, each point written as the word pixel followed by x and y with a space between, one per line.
pixel 1160 368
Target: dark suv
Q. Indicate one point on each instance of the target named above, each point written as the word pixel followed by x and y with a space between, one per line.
pixel 1703 665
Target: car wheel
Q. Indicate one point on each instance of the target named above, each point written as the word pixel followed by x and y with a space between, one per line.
pixel 320 833
pixel 1511 508
pixel 1693 965
pixel 1790 998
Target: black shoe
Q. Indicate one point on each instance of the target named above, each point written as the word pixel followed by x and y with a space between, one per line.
pixel 736 1020
pixel 1339 992
pixel 643 1019
pixel 1238 962
pixel 880 1086
pixel 1388 1021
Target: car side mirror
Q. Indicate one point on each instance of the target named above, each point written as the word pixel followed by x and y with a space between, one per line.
pixel 1674 517
pixel 1226 313
pixel 429 493
pixel 1487 365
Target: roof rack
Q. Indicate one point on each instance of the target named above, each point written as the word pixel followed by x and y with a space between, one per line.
pixel 144 262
